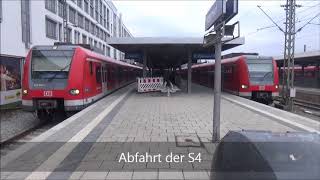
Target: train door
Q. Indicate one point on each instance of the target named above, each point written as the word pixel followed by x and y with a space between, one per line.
pixel 98 73
pixel 89 81
pixel 104 79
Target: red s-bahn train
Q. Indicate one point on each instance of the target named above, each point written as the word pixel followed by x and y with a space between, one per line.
pixel 70 78
pixel 251 76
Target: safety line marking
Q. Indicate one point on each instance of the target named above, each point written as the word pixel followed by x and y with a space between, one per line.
pixel 301 126
pixel 55 159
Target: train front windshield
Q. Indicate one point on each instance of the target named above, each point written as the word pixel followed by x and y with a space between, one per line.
pixel 51 64
pixel 261 73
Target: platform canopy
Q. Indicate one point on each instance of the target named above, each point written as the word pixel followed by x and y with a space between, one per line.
pixel 166 51
pixel 305 58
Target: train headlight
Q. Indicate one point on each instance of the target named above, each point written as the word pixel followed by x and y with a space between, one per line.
pixel 277 86
pixel 74 91
pixel 244 86
pixel 25 92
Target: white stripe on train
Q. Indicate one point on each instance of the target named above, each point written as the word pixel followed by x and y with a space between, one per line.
pixel 77 102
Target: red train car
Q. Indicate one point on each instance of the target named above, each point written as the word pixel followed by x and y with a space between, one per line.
pixel 70 78
pixel 250 76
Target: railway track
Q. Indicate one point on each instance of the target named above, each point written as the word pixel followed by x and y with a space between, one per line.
pixel 22 138
pixel 307 104
pixel 303 107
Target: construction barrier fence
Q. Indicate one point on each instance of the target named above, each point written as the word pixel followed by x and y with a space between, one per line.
pixel 149 84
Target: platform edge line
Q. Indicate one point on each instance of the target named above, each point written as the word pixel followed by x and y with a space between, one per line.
pixel 267 114
pixel 56 158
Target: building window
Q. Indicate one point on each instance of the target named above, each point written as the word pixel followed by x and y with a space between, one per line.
pixel 72 15
pixel 51 29
pixel 101 34
pixel 25 22
pixel 87 25
pixel 84 39
pixel 104 36
pixel 80 20
pixel 1 12
pixel 97 33
pixel 90 41
pixel 91 8
pixel 101 7
pixel 86 6
pixel 114 53
pixel 93 27
pixel 69 35
pixel 108 19
pixel 114 25
pixel 51 5
pixel 104 16
pixel 60 32
pixel 97 10
pixel 76 37
pixel 108 51
pixel 79 3
pixel 60 8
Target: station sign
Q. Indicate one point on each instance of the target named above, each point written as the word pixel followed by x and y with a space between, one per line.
pixel 199 55
pixel 134 55
pixel 221 10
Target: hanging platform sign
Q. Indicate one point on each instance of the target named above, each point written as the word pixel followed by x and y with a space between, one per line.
pixel 221 10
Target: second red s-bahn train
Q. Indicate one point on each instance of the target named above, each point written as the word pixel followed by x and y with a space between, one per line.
pixel 251 76
pixel 70 78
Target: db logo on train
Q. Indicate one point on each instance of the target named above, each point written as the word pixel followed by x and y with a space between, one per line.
pixel 47 93
pixel 262 88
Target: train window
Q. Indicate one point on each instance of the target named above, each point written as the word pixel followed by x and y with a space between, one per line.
pixel 91 67
pixel 98 74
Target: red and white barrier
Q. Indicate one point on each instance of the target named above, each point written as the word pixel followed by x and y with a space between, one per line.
pixel 150 84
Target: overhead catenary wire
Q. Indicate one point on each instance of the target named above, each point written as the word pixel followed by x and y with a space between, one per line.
pixel 309 7
pixel 271 19
pixel 307 22
pixel 275 22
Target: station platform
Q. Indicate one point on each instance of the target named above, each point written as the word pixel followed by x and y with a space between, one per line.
pixel 90 144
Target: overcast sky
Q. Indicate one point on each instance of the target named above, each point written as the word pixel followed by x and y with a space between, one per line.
pixel 186 18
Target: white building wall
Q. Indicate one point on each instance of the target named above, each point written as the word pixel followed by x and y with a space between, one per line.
pixel 11 29
pixel 11 43
pixel 38 14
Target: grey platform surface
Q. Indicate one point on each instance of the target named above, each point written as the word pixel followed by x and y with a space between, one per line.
pixel 88 145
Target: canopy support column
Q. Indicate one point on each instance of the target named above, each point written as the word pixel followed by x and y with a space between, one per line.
pixel 144 70
pixel 189 71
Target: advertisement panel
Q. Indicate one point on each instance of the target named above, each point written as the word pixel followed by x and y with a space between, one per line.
pixel 10 74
